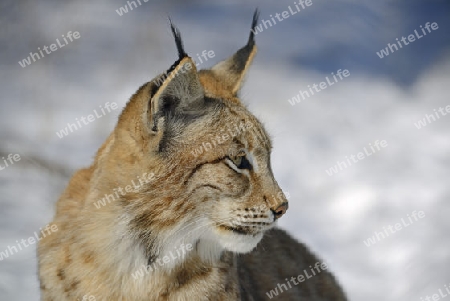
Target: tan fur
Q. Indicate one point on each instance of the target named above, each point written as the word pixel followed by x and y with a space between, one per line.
pixel 203 201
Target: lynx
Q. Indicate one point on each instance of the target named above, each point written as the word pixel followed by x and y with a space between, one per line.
pixel 176 226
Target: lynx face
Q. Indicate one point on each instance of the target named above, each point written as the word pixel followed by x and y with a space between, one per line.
pixel 236 195
pixel 214 186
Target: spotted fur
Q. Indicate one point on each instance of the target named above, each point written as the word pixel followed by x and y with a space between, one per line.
pixel 221 203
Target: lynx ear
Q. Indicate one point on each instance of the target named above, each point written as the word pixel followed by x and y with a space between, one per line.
pixel 179 93
pixel 232 71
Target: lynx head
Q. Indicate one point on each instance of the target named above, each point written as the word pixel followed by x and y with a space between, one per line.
pixel 213 186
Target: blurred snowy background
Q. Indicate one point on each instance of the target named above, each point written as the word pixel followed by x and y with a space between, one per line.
pixel 380 100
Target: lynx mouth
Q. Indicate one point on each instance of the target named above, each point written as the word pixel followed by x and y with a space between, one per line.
pixel 238 239
pixel 239 230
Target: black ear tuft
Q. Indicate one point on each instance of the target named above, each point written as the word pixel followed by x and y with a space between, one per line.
pixel 232 70
pixel 251 38
pixel 177 35
pixel 181 55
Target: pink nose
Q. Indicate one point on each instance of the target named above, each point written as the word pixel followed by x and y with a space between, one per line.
pixel 280 210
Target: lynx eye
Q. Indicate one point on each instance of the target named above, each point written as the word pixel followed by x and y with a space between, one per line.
pixel 240 161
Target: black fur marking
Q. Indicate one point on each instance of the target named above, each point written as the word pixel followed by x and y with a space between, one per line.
pixel 181 55
pixel 241 56
pixel 251 38
pixel 161 79
pixel 177 35
pixel 151 259
pixel 153 90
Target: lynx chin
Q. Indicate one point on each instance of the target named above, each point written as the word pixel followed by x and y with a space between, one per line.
pixel 225 202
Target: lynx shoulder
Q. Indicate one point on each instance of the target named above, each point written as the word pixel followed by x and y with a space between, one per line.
pixel 152 220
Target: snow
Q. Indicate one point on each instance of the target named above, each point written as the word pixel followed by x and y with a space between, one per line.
pixel 333 215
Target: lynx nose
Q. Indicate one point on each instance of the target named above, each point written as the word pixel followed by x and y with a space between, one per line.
pixel 280 210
